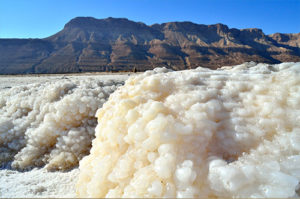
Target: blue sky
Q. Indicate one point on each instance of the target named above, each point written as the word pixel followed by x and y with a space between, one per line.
pixel 42 18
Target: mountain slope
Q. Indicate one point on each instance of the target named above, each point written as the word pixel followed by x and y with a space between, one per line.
pixel 118 44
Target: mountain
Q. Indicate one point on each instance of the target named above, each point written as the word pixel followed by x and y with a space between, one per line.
pixel 86 44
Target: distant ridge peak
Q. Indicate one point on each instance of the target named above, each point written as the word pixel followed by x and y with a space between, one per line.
pixel 91 21
pixel 84 21
pixel 80 21
pixel 115 19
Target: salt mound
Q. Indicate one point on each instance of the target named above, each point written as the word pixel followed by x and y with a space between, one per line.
pixel 198 133
pixel 50 123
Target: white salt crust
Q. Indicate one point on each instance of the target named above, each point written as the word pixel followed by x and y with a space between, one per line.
pixel 38 183
pixel 233 132
pixel 50 123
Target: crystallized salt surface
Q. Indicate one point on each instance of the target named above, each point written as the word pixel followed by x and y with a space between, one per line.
pixel 37 183
pixel 50 120
pixel 233 132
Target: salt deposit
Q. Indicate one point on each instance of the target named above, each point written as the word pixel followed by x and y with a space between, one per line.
pixel 50 122
pixel 233 132
pixel 37 183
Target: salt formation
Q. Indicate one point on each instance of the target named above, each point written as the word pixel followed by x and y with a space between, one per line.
pixel 50 123
pixel 38 183
pixel 233 132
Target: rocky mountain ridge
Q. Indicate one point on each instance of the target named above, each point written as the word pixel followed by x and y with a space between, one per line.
pixel 86 44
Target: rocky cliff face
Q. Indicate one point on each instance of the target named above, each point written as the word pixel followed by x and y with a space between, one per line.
pixel 87 44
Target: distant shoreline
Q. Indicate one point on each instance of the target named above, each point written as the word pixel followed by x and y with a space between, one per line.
pixel 68 74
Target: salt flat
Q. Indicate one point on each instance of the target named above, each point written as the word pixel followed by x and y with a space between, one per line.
pixel 233 132
pixel 37 182
pixel 8 81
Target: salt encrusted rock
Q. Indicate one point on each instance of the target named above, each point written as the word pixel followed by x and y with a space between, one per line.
pixel 198 133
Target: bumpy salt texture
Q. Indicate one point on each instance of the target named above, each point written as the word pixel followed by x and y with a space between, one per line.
pixel 38 183
pixel 50 123
pixel 199 133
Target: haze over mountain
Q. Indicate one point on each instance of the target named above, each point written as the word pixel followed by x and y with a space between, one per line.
pixel 87 44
